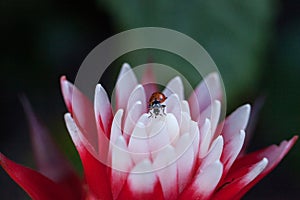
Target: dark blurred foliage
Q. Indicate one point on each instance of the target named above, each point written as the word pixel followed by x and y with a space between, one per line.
pixel 255 44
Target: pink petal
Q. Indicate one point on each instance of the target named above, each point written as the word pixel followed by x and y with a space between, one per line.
pixel 237 180
pixel 175 86
pixel 50 161
pixel 125 85
pixel 67 91
pixel 204 182
pixel 166 170
pixel 35 184
pixel 149 82
pixel 103 111
pixel 95 172
pixel 273 153
pixel 142 183
pixel 205 93
pixel 82 111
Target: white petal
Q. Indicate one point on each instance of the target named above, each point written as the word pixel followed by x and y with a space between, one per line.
pixel 185 123
pixel 195 136
pixel 172 128
pixel 138 94
pixel 82 111
pixel 239 179
pixel 132 117
pixel 185 107
pixel 121 159
pixel 67 92
pixel 116 130
pixel 121 165
pixel 157 134
pixel 236 121
pixel 125 85
pixel 162 132
pixel 142 179
pixel 138 144
pixel 255 171
pixel 231 150
pixel 165 164
pixel 214 153
pixel 212 112
pixel 79 140
pixel 175 86
pixel 205 138
pixel 173 106
pixel 73 130
pixel 185 162
pixel 205 182
pixel 103 112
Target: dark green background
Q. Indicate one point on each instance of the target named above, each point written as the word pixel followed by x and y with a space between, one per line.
pixel 255 44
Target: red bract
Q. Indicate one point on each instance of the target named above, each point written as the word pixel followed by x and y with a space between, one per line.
pixel 185 154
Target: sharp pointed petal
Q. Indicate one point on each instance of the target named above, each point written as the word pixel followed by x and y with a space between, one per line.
pixel 214 154
pixel 98 183
pixel 82 111
pixel 103 111
pixel 121 166
pixel 237 180
pixel 205 93
pixel 166 170
pixel 50 160
pixel 175 86
pixel 231 150
pixel 138 144
pixel 274 154
pixel 142 183
pixel 204 182
pixel 35 184
pixel 125 85
pixel 185 162
pixel 173 106
pixel 212 112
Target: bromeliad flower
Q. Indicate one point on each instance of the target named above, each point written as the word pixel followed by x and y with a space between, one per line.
pixel 185 153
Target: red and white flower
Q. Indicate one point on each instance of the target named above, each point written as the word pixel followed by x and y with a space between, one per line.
pixel 187 154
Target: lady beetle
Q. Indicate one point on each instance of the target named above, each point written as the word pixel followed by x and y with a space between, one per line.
pixel 155 106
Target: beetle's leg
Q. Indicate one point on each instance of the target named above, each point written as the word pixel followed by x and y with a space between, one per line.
pixel 163 109
pixel 149 112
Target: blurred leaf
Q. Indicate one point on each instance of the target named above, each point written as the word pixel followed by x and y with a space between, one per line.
pixel 235 33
